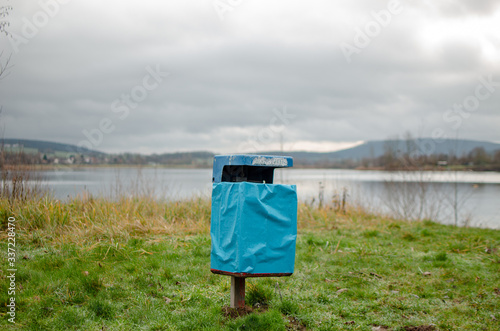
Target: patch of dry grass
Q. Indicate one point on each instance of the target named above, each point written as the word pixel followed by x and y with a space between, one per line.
pixel 85 219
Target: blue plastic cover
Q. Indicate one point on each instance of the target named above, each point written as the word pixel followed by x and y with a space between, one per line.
pixel 253 228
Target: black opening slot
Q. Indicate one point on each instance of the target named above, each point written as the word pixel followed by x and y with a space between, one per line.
pixel 243 173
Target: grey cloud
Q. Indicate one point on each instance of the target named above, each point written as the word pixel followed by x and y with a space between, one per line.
pixel 225 81
pixel 467 7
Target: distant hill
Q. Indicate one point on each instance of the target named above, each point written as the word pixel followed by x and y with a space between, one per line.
pixel 46 152
pixel 46 147
pixel 377 148
pixel 50 151
pixel 425 146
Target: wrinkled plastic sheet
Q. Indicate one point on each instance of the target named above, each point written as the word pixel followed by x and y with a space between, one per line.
pixel 253 228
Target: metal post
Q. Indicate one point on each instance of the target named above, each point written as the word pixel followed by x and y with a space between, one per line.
pixel 237 292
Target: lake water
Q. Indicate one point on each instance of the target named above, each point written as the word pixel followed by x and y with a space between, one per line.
pixel 464 197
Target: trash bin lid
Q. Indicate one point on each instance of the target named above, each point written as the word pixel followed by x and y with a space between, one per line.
pixel 267 161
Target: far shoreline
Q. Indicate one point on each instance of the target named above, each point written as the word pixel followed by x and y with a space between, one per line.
pixel 51 167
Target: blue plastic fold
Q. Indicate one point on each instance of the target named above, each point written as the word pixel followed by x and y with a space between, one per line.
pixel 253 228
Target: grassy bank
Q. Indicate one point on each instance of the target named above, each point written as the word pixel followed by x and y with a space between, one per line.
pixel 140 264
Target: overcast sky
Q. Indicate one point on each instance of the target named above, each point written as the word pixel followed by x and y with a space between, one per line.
pixel 241 75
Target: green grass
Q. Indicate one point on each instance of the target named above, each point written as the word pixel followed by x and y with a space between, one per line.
pixel 138 264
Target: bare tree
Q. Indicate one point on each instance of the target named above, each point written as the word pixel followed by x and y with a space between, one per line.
pixel 409 192
pixel 460 194
pixel 4 65
pixel 4 24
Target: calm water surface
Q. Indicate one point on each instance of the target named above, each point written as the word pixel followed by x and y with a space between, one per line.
pixel 432 194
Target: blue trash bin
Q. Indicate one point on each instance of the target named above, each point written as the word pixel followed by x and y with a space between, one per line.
pixel 254 222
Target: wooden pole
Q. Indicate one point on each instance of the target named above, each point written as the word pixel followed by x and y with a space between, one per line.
pixel 237 292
